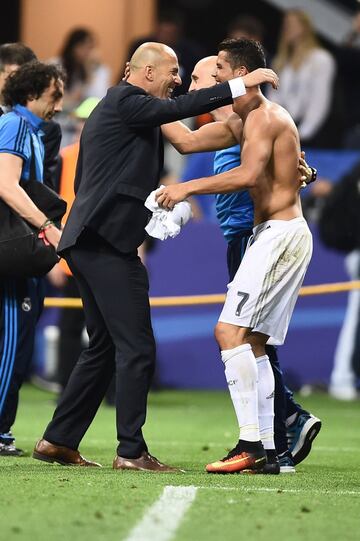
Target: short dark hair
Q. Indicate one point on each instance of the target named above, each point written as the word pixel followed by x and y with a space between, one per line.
pixel 15 53
pixel 244 52
pixel 30 81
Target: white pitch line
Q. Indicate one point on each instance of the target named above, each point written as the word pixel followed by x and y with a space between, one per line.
pixel 162 519
pixel 287 490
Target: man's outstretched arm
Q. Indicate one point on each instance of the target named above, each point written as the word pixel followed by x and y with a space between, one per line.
pixel 212 136
pixel 256 152
pixel 139 110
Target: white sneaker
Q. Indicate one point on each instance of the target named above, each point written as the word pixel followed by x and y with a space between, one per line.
pixel 343 393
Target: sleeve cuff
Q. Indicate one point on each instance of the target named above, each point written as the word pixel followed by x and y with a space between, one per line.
pixel 237 87
pixel 14 152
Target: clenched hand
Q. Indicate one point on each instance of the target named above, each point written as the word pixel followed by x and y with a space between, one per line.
pixel 168 196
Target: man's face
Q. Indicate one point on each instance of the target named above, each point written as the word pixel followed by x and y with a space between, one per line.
pixel 50 102
pixel 203 75
pixel 224 71
pixel 166 77
pixel 4 74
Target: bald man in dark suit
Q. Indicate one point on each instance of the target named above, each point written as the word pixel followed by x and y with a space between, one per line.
pixel 120 160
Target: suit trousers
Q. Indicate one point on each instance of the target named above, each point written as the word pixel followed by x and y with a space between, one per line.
pixel 114 290
pixel 71 326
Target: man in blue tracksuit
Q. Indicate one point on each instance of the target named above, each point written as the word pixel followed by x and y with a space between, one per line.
pixel 34 93
pixel 294 427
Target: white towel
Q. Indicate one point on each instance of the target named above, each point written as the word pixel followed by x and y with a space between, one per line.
pixel 166 223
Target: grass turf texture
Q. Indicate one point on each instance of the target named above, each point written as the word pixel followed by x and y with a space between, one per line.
pixel 188 429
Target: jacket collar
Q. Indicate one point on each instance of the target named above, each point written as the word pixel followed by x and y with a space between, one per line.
pixel 36 123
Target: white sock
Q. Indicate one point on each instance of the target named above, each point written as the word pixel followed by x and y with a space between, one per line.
pixel 266 391
pixel 241 377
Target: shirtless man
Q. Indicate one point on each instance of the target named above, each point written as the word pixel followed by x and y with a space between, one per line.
pixel 236 219
pixel 262 296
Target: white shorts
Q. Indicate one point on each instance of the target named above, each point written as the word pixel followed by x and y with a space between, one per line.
pixel 263 293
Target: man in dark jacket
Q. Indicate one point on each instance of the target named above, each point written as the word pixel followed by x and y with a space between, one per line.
pixel 120 160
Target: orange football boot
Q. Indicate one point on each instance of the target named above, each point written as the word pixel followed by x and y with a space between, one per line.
pixel 239 460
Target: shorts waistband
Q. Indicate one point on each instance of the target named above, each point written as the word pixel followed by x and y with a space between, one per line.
pixel 278 224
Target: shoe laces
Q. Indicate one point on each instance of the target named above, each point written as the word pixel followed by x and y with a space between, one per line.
pixel 237 451
pixel 153 458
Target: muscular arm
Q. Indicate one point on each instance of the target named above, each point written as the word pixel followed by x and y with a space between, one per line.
pixel 12 193
pixel 213 136
pixel 256 152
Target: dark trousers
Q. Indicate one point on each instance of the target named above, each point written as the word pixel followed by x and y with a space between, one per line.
pixel 284 403
pixel 21 303
pixel 71 326
pixel 114 290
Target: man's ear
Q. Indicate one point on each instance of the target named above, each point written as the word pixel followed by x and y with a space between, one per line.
pixel 240 72
pixel 149 73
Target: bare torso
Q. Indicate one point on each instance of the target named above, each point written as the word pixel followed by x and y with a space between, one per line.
pixel 270 152
pixel 276 193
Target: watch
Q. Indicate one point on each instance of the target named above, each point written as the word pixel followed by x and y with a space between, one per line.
pixel 314 174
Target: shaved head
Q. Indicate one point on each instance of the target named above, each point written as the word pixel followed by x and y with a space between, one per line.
pixel 203 74
pixel 150 54
pixel 155 68
pixel 206 62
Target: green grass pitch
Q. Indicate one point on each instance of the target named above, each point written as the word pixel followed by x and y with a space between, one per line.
pixel 188 429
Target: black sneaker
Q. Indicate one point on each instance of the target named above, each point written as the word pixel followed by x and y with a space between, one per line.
pixel 10 450
pixel 286 462
pixel 272 466
pixel 301 434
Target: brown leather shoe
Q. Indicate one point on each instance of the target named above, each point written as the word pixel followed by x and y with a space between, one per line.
pixel 46 451
pixel 145 462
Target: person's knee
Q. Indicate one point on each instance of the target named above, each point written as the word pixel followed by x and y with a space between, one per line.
pixel 229 336
pixel 258 343
pixel 220 334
